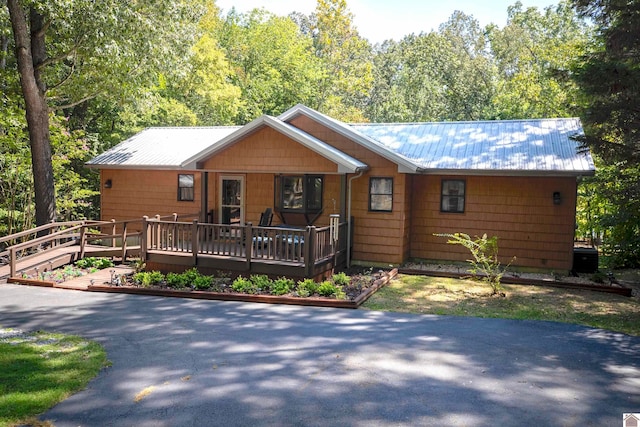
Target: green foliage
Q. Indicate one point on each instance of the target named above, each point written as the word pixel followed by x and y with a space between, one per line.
pixel 608 77
pixel 148 278
pixel 282 286
pixel 330 289
pixel 261 282
pixel 177 280
pixel 244 285
pixel 202 282
pixel 94 262
pixel 306 287
pixel 341 279
pixel 484 251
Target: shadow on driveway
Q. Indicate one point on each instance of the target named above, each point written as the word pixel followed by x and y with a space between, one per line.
pixel 194 362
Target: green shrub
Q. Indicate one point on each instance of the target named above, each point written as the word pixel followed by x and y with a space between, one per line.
pixel 326 289
pixel 244 285
pixel 93 262
pixel 202 282
pixel 262 282
pixel 176 281
pixel 282 286
pixel 190 276
pixel 306 287
pixel 341 279
pixel 148 278
pixel 484 251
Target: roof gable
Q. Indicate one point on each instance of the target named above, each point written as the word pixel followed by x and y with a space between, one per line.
pixel 404 164
pixel 346 163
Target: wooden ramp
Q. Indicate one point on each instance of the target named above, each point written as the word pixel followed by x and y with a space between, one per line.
pixel 57 257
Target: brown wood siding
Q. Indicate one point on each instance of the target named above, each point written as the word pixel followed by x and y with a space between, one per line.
pixel 519 210
pixel 381 237
pixel 267 150
pixel 135 193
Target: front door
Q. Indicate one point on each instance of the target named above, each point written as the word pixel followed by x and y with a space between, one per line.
pixel 232 200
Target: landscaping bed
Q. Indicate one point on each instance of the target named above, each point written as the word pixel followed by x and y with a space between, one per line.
pixel 340 291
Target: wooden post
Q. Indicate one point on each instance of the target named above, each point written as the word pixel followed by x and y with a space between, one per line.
pixel 144 242
pixel 158 233
pixel 248 244
pixel 309 250
pixel 113 233
pixel 83 238
pixel 12 262
pixel 124 242
pixel 194 242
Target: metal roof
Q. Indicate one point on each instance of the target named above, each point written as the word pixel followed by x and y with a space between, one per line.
pixel 537 146
pixel 161 147
pixel 513 146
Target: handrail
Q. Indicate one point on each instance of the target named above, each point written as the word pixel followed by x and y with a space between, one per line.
pixel 38 229
pixel 44 239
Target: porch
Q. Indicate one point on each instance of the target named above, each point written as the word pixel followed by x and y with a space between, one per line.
pixel 278 250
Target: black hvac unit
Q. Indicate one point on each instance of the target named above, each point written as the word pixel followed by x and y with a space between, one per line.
pixel 585 260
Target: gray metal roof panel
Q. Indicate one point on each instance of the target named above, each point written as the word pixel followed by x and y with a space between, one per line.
pixel 543 145
pixel 161 146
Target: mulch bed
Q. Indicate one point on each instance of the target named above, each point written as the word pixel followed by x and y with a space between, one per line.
pixel 360 289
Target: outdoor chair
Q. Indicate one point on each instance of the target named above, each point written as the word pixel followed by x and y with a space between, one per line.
pixel 263 240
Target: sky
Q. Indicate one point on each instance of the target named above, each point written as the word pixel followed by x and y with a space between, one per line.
pixel 379 20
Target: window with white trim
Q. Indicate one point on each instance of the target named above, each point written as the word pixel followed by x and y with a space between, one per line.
pixel 380 194
pixel 186 183
pixel 452 196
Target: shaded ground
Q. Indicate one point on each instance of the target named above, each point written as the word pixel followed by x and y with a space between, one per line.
pixel 191 362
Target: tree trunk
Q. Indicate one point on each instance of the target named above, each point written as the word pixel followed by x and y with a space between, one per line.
pixel 30 53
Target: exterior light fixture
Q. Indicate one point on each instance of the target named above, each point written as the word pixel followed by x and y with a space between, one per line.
pixel 107 183
pixel 557 199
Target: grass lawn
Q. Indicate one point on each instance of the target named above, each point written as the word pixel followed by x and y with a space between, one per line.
pixel 434 295
pixel 40 369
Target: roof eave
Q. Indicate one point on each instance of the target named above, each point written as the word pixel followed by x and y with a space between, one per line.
pixel 505 172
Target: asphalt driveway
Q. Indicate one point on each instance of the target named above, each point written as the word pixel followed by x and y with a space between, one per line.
pixel 179 362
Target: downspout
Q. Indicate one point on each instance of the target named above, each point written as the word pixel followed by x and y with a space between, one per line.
pixel 360 173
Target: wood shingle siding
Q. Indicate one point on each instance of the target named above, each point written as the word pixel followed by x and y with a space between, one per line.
pixel 520 211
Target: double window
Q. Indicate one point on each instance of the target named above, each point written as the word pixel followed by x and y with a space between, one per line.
pixel 381 194
pixel 185 187
pixel 301 193
pixel 452 195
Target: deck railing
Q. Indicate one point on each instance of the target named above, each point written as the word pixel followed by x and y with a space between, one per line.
pixel 285 244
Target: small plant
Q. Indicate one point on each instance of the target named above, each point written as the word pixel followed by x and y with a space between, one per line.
pixel 202 282
pixel 93 262
pixel 341 279
pixel 176 281
pixel 484 251
pixel 306 287
pixel 262 282
pixel 328 289
pixel 244 285
pixel 148 278
pixel 139 265
pixel 282 286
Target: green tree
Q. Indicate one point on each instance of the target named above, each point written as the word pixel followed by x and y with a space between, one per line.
pixel 534 54
pixel 273 63
pixel 346 60
pixel 609 78
pixel 67 53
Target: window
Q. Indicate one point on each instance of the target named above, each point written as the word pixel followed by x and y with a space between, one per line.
pixel 185 187
pixel 452 199
pixel 381 194
pixel 299 193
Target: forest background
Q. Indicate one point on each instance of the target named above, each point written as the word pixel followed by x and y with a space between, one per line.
pixel 79 76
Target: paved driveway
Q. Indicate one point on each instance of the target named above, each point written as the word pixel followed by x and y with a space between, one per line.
pixel 204 363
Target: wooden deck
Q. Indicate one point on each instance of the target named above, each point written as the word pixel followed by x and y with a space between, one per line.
pixel 177 246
